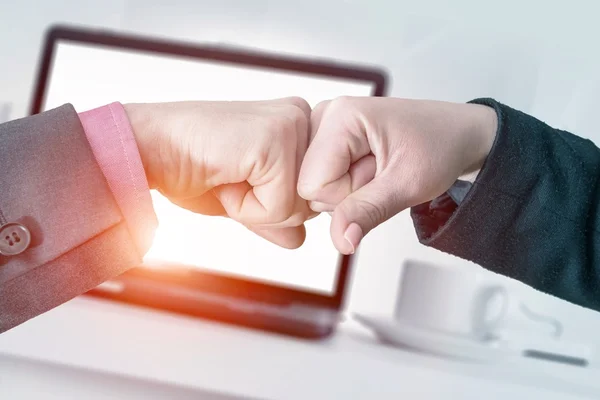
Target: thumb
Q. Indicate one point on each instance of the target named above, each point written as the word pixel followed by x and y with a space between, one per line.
pixel 363 210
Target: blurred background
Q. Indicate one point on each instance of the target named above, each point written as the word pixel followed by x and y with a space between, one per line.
pixel 541 57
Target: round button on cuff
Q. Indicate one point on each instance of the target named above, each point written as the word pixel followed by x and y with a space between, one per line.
pixel 14 239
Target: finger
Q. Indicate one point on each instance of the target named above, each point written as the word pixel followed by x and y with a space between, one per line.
pixel 206 204
pixel 289 238
pixel 362 211
pixel 237 198
pixel 359 174
pixel 316 115
pixel 321 207
pixel 340 141
pixel 301 209
pixel 269 203
pixel 302 136
pixel 294 220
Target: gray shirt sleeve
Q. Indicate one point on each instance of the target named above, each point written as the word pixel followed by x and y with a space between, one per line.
pixel 462 186
pixel 459 191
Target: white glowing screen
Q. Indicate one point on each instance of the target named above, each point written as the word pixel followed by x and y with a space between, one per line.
pixel 90 76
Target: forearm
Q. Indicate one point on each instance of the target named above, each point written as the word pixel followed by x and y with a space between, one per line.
pixel 70 180
pixel 532 214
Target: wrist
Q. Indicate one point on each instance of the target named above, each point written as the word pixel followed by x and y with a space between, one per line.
pixel 481 134
pixel 140 119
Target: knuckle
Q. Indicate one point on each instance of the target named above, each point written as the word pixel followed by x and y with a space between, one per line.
pixel 310 187
pixel 282 212
pixel 298 117
pixel 310 191
pixel 341 109
pixel 318 111
pixel 342 103
pixel 306 189
pixel 300 104
pixel 322 105
pixel 372 214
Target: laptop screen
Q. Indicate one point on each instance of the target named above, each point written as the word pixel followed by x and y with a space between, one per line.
pixel 89 76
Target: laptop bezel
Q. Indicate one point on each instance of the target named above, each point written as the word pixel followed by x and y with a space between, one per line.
pixel 191 277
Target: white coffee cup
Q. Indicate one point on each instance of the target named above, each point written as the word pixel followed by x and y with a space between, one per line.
pixel 460 302
pixel 4 112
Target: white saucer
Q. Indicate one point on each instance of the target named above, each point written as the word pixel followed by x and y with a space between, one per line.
pixel 400 333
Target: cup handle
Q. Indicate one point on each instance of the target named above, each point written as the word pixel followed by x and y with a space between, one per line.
pixel 485 326
pixel 537 317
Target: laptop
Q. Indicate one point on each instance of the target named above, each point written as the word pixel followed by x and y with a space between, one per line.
pixel 210 267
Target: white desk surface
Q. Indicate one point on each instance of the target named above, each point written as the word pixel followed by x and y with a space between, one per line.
pixel 215 358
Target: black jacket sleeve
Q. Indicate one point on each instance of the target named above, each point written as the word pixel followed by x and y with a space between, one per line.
pixel 533 213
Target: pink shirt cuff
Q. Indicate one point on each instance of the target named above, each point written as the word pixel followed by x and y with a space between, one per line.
pixel 111 137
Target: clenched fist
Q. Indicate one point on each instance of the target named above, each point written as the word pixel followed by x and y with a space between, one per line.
pixel 370 158
pixel 235 159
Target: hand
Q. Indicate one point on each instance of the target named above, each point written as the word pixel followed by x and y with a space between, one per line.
pixel 370 158
pixel 235 159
